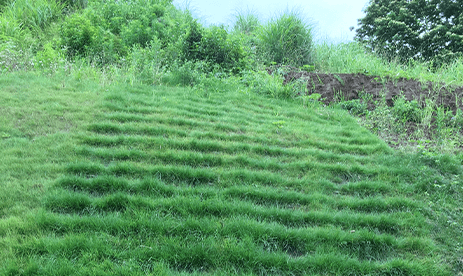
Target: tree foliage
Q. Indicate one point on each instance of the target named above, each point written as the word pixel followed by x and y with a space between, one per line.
pixel 431 30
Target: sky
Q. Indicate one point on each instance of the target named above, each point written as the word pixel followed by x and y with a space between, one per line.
pixel 331 18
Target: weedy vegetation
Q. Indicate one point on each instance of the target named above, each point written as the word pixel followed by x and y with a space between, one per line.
pixel 136 141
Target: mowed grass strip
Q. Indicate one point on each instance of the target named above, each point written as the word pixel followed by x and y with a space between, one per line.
pixel 229 176
pixel 266 196
pixel 258 161
pixel 187 255
pixel 298 241
pixel 169 182
pixel 398 223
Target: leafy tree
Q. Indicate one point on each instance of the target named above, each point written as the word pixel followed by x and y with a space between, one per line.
pixel 431 30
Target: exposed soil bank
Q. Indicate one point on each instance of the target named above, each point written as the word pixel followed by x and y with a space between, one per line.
pixel 334 87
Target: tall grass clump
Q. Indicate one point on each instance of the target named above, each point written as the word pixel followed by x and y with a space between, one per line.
pixel 34 15
pixel 287 39
pixel 10 29
pixel 246 22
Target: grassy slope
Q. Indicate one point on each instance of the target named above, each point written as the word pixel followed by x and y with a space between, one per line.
pixel 166 180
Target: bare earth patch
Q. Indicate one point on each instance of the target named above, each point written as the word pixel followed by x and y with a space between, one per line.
pixel 334 87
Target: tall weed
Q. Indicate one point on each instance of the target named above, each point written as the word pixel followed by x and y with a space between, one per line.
pixel 185 74
pixel 49 58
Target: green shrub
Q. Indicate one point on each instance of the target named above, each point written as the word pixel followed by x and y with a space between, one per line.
pixel 77 34
pixel 106 48
pixel 3 3
pixel 355 107
pixel 192 41
pixel 445 118
pixel 406 111
pixel 214 46
pixel 217 47
pixel 13 58
pixel 136 22
pixel 146 64
pixel 135 32
pixel 287 40
pixel 48 58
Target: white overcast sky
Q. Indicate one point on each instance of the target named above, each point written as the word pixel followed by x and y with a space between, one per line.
pixel 331 18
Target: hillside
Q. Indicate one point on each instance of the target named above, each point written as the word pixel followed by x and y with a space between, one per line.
pixel 134 140
pixel 163 180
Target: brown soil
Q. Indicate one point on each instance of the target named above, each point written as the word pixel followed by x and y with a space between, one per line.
pixel 334 87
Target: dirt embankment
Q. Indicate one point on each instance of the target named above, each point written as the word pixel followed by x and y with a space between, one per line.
pixel 335 87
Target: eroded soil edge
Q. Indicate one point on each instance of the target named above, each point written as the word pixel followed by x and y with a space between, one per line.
pixel 336 87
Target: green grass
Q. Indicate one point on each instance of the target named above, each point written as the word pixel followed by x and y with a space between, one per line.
pixel 104 171
pixel 38 117
pixel 352 58
pixel 137 180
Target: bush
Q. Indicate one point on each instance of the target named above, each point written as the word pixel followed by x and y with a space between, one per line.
pixel 136 32
pixel 12 58
pixel 192 41
pixel 406 111
pixel 111 28
pixel 287 40
pixel 77 34
pixel 106 48
pixel 355 107
pixel 215 47
pixel 74 4
pixel 186 74
pixel 136 22
pixel 3 3
pixel 48 58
